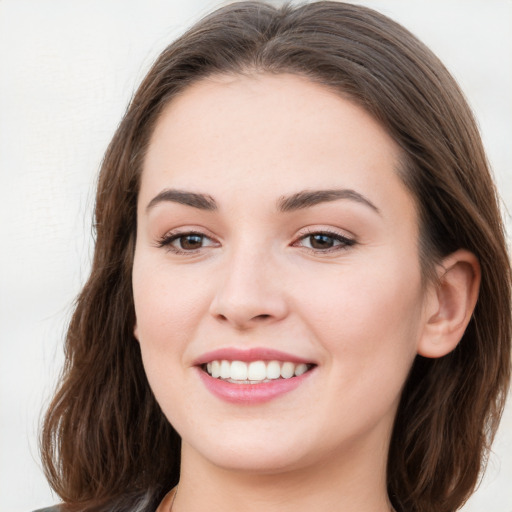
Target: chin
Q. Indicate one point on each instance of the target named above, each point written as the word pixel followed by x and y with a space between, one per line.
pixel 256 462
pixel 252 453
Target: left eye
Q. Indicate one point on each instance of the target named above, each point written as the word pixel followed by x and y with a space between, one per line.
pixel 324 241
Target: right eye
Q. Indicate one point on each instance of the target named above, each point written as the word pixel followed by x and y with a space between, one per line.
pixel 189 242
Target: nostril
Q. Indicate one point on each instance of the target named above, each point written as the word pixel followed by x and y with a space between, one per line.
pixel 261 317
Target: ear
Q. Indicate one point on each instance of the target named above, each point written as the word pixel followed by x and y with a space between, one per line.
pixel 450 304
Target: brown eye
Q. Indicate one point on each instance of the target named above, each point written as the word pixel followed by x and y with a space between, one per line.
pixel 190 242
pixel 181 243
pixel 321 241
pixel 324 242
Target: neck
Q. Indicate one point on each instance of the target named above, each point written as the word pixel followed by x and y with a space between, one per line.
pixel 352 484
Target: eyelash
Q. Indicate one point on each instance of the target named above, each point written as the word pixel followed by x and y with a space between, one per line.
pixel 167 240
pixel 344 242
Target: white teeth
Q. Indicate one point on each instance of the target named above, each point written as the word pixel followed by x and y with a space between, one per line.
pixel 238 370
pixel 216 369
pixel 225 370
pixel 255 371
pixel 273 370
pixel 300 369
pixel 287 370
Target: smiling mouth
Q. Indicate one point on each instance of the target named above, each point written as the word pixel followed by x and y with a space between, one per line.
pixel 254 372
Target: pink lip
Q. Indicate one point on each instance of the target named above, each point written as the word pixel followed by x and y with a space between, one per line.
pixel 248 355
pixel 250 394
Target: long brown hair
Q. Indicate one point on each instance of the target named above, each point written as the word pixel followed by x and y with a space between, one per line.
pixel 105 443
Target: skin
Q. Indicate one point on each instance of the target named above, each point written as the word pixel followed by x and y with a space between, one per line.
pixel 359 311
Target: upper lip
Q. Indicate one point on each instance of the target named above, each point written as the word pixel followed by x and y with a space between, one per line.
pixel 248 355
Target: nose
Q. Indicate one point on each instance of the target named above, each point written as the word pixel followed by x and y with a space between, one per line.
pixel 250 291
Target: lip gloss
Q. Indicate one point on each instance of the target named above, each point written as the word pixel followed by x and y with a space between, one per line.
pixel 249 354
pixel 251 393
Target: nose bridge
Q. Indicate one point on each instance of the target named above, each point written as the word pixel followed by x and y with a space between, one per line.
pixel 249 288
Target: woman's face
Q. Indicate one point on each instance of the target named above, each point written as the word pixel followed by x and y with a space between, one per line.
pixel 275 237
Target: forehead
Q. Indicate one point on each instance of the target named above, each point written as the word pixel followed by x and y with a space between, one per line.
pixel 265 135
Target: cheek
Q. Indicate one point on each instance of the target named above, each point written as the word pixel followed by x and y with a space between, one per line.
pixel 368 324
pixel 165 296
pixel 167 305
pixel 366 313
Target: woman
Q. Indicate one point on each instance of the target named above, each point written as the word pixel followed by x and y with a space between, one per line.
pixel 295 220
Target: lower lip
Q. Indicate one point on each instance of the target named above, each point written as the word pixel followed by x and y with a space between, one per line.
pixel 251 393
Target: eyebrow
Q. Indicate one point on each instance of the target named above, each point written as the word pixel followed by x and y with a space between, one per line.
pixel 308 198
pixel 297 201
pixel 193 199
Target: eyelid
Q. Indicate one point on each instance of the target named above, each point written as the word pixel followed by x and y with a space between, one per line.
pixel 165 241
pixel 344 240
pixel 339 235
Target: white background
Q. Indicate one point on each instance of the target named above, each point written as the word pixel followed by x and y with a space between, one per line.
pixel 67 72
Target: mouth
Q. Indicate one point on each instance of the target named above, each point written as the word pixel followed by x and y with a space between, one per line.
pixel 254 372
pixel 253 376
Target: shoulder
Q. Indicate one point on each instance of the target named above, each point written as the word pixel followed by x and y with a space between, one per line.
pixel 55 508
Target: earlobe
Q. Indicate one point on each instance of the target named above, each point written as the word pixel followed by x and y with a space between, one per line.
pixel 451 304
